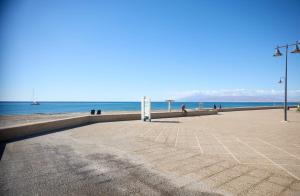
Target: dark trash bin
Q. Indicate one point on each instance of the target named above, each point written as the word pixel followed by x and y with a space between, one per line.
pixel 93 112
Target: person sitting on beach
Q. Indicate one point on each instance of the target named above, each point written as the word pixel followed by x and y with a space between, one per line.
pixel 183 110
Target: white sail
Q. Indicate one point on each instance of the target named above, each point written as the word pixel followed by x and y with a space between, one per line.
pixel 34 102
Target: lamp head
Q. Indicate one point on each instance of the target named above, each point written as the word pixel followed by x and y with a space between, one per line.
pixel 296 50
pixel 277 52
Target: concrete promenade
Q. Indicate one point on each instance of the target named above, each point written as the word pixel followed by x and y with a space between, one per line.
pixel 232 153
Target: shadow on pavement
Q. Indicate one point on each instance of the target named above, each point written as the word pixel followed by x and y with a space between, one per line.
pixel 166 121
pixel 2 148
pixel 3 144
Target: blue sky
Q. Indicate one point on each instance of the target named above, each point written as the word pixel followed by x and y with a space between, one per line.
pixel 69 50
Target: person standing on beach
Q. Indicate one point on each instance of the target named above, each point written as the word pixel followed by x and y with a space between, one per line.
pixel 183 110
pixel 215 107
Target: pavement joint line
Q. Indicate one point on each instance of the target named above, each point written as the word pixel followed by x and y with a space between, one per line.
pixel 167 155
pixel 176 137
pixel 244 192
pixel 127 131
pixel 195 170
pixel 182 165
pixel 218 172
pixel 201 150
pixel 279 148
pixel 263 155
pixel 296 145
pixel 167 136
pixel 216 153
pixel 178 159
pixel 150 147
pixel 233 156
pixel 158 135
pixel 286 187
pixel 158 156
pixel 270 164
pixel 234 178
pixel 143 134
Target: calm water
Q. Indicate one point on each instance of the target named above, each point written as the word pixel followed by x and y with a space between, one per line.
pixel 10 108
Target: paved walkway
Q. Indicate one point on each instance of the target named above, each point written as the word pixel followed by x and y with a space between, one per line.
pixel 238 153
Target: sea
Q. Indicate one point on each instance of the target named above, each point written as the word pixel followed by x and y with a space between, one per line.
pixel 23 108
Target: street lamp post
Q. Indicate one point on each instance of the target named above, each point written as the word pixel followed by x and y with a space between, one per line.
pixel 277 54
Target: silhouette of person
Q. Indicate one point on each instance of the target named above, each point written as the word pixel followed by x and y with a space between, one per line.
pixel 183 110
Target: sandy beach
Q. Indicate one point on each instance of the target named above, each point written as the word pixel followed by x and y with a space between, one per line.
pixel 234 153
pixel 12 120
pixel 15 120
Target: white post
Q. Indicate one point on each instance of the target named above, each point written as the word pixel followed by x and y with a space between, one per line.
pixel 149 110
pixel 143 108
pixel 146 109
pixel 169 104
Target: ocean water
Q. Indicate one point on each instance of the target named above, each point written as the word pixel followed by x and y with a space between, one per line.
pixel 13 108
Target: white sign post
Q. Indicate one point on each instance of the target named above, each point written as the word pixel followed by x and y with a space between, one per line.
pixel 169 104
pixel 146 109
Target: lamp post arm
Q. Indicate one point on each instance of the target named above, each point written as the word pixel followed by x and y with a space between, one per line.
pixel 284 46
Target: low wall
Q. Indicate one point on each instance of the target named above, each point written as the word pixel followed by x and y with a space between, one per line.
pixel 114 117
pixel 252 108
pixel 14 132
pixel 36 128
pixel 154 115
pixel 180 114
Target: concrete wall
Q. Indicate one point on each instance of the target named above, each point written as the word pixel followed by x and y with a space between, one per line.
pixel 114 117
pixel 35 128
pixel 180 114
pixel 252 108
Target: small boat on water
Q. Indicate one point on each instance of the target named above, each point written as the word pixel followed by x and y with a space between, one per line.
pixel 34 102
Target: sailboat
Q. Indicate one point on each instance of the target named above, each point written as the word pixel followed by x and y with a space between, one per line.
pixel 34 102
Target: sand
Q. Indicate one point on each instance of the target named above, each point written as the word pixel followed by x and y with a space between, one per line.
pixel 14 120
pixel 233 153
pixel 10 120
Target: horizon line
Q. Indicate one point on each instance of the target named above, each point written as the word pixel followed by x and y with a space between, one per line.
pixel 275 101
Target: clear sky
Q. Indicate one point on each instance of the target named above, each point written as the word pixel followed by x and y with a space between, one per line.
pixel 71 50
